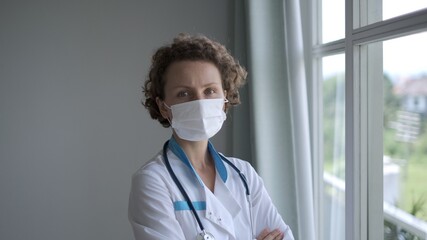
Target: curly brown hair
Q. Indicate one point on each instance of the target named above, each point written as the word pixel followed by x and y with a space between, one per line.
pixel 193 48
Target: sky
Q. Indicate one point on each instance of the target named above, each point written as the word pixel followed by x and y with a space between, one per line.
pixel 406 55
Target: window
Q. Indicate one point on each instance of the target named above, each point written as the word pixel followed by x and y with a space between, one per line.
pixel 333 104
pixel 405 137
pixel 369 87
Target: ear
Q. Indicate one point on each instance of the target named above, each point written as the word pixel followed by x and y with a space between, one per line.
pixel 162 108
pixel 225 108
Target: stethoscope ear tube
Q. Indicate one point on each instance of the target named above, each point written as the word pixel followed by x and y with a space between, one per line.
pixel 242 176
pixel 179 185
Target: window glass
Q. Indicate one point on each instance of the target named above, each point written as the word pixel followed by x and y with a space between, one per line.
pixel 333 20
pixel 386 9
pixel 333 147
pixel 393 8
pixel 405 137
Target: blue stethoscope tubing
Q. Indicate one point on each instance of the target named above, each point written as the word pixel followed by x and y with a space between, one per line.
pixel 187 198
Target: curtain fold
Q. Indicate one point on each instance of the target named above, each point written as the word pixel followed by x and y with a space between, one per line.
pixel 300 118
pixel 278 114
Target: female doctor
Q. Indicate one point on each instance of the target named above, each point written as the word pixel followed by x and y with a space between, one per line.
pixel 189 190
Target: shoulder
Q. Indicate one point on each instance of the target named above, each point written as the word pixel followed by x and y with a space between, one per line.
pixel 154 164
pixel 152 171
pixel 254 180
pixel 244 166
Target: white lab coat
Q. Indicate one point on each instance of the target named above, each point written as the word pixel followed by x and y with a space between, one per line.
pixel 157 209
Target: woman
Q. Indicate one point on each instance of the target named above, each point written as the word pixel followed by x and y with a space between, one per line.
pixel 189 190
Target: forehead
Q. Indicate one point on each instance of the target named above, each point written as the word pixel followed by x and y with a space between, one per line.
pixel 192 74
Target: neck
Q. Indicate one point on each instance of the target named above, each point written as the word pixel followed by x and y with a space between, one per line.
pixel 197 152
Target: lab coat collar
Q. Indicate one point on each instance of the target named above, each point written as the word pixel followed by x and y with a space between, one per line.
pixel 219 164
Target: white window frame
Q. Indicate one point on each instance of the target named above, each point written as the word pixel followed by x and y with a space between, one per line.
pixel 364 110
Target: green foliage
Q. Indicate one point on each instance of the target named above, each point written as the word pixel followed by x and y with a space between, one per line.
pixel 391 101
pixel 393 148
pixel 417 205
pixel 419 148
pixel 414 190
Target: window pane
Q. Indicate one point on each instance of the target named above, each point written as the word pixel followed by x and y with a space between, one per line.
pixel 333 147
pixel 385 9
pixel 405 137
pixel 333 20
pixel 393 8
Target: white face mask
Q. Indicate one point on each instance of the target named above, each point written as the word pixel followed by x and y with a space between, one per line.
pixel 198 120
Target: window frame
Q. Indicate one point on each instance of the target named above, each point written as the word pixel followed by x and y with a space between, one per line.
pixel 363 114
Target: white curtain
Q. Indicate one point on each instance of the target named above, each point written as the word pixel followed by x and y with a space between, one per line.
pixel 278 110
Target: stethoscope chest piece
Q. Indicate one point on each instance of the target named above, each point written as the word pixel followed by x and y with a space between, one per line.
pixel 205 236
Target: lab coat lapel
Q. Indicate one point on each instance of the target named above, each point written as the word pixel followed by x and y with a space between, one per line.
pixel 226 197
pixel 221 208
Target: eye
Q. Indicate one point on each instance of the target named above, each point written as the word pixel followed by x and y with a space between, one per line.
pixel 183 94
pixel 210 91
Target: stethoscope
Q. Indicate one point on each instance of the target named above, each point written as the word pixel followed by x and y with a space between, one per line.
pixel 204 235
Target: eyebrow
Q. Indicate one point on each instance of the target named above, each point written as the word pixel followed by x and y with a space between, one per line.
pixel 212 83
pixel 206 85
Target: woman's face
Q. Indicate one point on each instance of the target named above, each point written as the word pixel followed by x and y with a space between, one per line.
pixel 188 81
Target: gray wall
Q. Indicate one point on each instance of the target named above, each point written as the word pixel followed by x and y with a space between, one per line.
pixel 72 130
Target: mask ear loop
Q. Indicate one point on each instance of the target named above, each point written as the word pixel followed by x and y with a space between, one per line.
pixel 160 102
pixel 225 102
pixel 170 122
